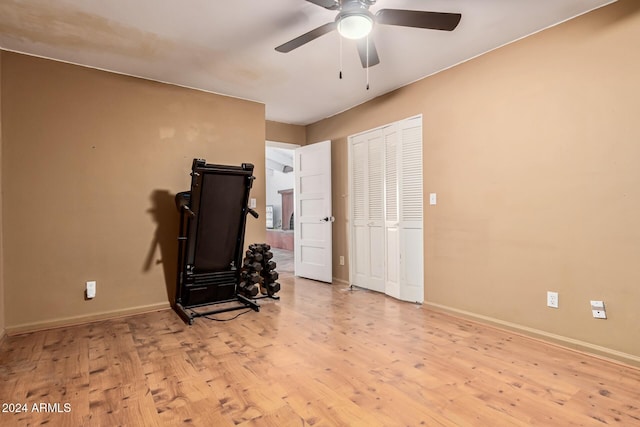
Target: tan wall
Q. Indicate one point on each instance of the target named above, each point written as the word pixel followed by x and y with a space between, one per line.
pixel 2 316
pixel 283 132
pixel 533 151
pixel 91 164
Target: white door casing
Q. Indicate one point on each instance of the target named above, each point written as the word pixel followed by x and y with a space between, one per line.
pixel 312 214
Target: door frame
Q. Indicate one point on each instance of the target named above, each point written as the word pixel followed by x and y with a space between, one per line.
pixel 285 145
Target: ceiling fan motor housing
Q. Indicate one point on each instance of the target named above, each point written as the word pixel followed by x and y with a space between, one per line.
pixel 356 4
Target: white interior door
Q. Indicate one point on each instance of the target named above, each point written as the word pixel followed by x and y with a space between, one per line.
pixel 313 215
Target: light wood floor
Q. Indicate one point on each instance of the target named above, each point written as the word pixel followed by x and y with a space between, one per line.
pixel 321 356
pixel 284 260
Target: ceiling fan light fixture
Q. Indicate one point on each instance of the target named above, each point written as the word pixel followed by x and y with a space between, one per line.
pixel 354 26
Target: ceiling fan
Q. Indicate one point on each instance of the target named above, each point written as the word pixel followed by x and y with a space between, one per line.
pixel 354 21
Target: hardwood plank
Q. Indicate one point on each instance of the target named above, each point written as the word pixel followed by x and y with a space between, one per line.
pixel 202 412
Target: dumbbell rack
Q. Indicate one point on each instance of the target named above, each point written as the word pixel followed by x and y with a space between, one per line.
pixel 258 274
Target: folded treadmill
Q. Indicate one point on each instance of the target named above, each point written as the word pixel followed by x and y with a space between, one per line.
pixel 213 216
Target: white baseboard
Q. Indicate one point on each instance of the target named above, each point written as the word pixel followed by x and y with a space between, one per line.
pixel 547 337
pixel 83 319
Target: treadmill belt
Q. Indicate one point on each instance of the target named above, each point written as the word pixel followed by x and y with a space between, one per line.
pixel 219 221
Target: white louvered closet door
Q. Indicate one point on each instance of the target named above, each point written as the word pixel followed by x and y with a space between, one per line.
pixel 367 234
pixel 375 223
pixel 387 210
pixel 359 191
pixel 411 211
pixel 392 210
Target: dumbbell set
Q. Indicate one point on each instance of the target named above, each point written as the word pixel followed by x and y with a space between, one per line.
pixel 258 274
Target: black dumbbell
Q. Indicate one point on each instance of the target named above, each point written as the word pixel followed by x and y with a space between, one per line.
pixel 256 248
pixel 272 288
pixel 271 276
pixel 248 289
pixel 252 265
pixel 249 277
pixel 253 256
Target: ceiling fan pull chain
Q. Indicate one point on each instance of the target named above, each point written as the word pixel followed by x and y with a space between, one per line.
pixel 340 74
pixel 367 62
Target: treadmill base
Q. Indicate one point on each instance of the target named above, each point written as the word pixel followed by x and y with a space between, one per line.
pixel 191 315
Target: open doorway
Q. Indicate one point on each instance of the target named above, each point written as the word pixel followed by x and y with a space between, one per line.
pixel 280 209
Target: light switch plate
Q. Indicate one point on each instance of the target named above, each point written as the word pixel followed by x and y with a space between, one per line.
pixel 91 289
pixel 432 198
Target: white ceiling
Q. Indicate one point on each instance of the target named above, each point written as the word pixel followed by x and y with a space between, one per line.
pixel 227 47
pixel 279 159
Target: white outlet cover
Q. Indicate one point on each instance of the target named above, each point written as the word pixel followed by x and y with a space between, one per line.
pixel 599 314
pixel 552 299
pixel 597 309
pixel 432 198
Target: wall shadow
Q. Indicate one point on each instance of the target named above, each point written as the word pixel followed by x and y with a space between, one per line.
pixel 164 246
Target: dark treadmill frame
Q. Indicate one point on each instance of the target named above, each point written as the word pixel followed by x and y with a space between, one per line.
pixel 209 269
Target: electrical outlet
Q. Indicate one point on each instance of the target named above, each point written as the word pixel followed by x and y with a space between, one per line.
pixel 552 299
pixel 341 260
pixel 597 309
pixel 91 289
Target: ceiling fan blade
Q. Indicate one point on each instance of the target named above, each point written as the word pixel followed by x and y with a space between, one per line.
pixel 419 19
pixel 306 38
pixel 373 53
pixel 327 4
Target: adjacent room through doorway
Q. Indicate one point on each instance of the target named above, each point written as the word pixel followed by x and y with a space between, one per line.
pixel 280 209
